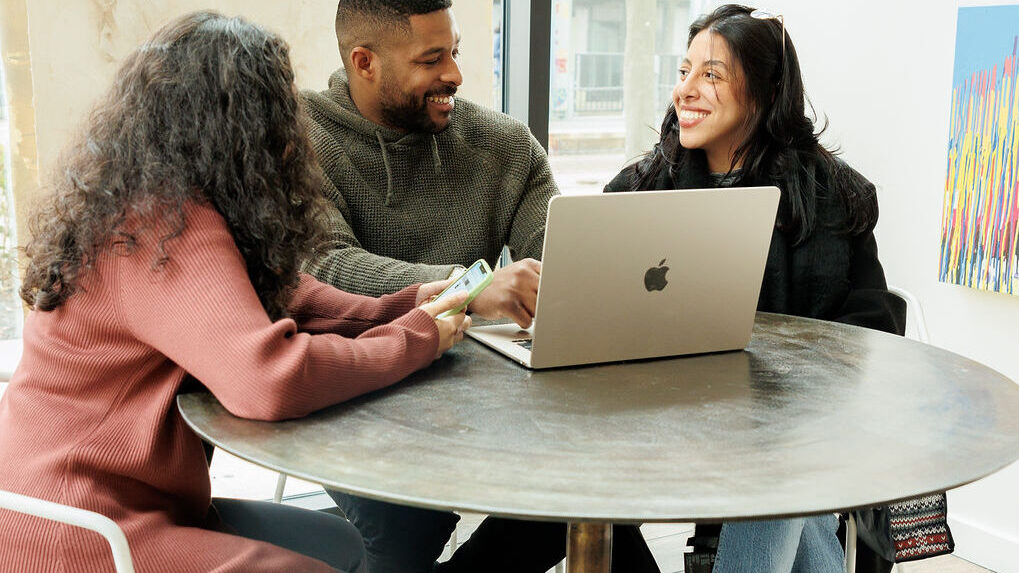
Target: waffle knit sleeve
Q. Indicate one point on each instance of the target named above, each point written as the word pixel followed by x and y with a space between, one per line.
pixel 201 311
pixel 527 234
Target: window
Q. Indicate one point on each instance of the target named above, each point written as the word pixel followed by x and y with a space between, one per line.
pixel 11 314
pixel 235 478
pixel 498 13
pixel 613 66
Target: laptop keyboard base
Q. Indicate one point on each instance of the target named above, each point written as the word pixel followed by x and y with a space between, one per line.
pixel 524 342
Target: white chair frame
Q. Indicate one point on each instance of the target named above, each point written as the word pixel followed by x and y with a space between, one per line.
pixel 850 543
pixel 281 484
pixel 76 517
pixel 914 312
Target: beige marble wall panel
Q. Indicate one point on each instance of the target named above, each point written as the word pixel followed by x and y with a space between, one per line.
pixel 21 109
pixel 77 45
pixel 475 20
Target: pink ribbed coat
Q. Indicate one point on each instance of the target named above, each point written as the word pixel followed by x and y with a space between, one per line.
pixel 89 419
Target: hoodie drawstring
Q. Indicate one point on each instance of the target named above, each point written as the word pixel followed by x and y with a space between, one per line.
pixel 435 156
pixel 436 161
pixel 389 170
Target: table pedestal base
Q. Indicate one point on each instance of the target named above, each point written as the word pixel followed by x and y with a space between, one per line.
pixel 589 548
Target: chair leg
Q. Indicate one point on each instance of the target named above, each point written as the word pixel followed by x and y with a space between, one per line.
pixel 850 543
pixel 281 483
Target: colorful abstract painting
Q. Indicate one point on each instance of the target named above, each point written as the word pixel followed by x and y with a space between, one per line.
pixel 980 219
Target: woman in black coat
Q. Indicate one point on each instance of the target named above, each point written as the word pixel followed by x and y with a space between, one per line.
pixel 738 119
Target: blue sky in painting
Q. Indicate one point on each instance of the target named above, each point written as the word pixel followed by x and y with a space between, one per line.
pixel 985 36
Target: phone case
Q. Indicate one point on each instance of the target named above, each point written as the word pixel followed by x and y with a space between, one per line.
pixel 475 289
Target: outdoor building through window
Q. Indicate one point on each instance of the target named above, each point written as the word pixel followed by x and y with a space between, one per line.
pixel 613 67
pixel 11 316
pixel 498 17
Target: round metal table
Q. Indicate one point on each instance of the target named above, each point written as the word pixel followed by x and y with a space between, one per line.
pixel 812 417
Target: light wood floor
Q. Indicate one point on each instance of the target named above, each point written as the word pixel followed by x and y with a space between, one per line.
pixel 668 540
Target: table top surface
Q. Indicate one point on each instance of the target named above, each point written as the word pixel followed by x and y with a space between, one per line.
pixel 812 417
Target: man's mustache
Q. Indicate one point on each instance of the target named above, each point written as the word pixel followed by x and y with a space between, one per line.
pixel 447 91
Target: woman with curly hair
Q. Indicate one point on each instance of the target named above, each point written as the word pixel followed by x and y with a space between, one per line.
pixel 738 119
pixel 170 247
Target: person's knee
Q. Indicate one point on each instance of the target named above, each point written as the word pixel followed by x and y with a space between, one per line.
pixel 766 531
pixel 771 543
pixel 397 538
pixel 827 524
pixel 349 552
pixel 820 550
pixel 319 535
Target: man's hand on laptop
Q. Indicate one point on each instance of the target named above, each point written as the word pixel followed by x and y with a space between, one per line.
pixel 512 294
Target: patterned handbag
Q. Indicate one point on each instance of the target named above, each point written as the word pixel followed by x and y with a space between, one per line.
pixel 909 530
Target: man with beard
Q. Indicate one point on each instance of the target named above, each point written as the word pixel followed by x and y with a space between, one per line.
pixel 424 183
pixel 421 189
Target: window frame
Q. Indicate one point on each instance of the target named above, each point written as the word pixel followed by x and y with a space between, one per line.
pixel 527 27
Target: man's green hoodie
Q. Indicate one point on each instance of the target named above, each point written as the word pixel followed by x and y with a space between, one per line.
pixel 410 206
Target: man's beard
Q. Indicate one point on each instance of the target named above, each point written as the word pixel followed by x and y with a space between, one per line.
pixel 408 112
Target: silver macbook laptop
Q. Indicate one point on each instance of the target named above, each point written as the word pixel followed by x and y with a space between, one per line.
pixel 627 276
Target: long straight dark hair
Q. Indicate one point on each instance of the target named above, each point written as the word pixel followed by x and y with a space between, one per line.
pixel 780 145
pixel 206 111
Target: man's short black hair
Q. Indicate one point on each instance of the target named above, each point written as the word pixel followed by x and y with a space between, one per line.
pixel 365 22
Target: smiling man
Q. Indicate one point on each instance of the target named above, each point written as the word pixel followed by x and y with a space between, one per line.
pixel 424 182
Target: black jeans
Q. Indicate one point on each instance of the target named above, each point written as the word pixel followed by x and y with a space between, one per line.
pixel 401 539
pixel 318 535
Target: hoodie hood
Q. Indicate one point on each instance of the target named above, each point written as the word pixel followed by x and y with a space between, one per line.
pixel 337 105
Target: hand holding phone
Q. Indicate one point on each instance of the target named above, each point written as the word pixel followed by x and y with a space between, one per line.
pixel 473 281
pixel 451 329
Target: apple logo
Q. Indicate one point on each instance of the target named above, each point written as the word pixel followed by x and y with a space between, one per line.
pixel 654 278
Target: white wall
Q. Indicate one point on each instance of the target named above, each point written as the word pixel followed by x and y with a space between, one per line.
pixel 882 72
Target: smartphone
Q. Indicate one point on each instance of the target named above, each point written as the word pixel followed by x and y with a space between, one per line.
pixel 473 281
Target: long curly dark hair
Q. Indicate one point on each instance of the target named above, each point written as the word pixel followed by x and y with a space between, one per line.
pixel 781 145
pixel 206 111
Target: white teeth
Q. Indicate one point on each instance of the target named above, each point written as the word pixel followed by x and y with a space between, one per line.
pixel 440 100
pixel 688 114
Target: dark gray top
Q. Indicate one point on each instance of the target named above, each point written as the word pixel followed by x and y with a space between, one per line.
pixel 814 416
